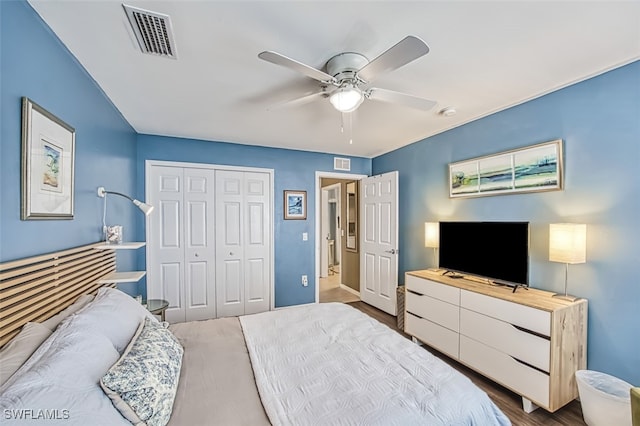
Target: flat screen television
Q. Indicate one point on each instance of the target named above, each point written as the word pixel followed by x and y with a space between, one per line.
pixel 498 251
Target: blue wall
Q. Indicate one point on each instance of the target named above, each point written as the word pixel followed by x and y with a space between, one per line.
pixel 292 170
pixel 599 121
pixel 35 64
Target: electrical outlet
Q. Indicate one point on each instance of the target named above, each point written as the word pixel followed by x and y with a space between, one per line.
pixel 305 281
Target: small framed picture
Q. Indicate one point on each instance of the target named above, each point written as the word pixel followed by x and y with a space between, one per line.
pixel 295 205
pixel 48 152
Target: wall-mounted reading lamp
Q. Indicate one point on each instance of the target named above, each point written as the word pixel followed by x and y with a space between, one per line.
pixel 146 208
pixel 432 239
pixel 113 234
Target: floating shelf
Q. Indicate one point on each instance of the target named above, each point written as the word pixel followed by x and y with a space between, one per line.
pixel 123 277
pixel 122 246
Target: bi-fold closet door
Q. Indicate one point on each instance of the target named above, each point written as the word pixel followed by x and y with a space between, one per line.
pixel 181 263
pixel 209 241
pixel 243 265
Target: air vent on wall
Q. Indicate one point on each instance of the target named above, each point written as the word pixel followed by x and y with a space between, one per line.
pixel 153 31
pixel 342 164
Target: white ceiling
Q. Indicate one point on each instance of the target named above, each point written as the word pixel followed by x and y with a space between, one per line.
pixel 485 56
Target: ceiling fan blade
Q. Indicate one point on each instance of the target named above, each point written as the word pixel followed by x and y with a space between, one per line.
pixel 278 59
pixel 299 101
pixel 408 49
pixel 385 95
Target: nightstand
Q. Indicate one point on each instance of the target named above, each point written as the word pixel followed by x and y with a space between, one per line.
pixel 157 307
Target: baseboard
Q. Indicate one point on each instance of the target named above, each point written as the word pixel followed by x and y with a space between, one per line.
pixel 293 306
pixel 350 290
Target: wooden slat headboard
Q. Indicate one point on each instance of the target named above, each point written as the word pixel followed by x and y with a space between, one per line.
pixel 36 288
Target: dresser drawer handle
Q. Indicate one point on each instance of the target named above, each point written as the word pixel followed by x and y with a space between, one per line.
pixel 533 333
pixel 529 365
pixel 414 315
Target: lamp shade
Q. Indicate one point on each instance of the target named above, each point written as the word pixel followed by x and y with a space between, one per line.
pixel 568 242
pixel 432 234
pixel 146 208
pixel 346 98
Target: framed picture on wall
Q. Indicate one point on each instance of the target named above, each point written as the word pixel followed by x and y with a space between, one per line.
pixel 48 153
pixel 295 205
pixel 533 168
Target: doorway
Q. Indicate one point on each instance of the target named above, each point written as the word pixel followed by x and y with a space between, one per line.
pixel 337 276
pixel 330 229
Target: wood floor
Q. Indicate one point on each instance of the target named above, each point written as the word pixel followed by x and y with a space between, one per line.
pixel 330 290
pixel 507 401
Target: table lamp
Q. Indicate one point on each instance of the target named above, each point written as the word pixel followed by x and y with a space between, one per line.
pixel 432 239
pixel 568 245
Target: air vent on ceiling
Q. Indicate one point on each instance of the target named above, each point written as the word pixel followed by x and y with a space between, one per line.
pixel 153 31
pixel 342 164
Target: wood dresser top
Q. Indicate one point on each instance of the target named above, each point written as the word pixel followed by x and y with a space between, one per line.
pixel 536 298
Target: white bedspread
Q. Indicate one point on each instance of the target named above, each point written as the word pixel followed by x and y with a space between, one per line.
pixel 331 364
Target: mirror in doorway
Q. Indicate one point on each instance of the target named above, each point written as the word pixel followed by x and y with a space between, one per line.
pixel 352 216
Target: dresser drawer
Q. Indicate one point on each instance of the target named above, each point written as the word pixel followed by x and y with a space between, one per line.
pixel 443 292
pixel 532 349
pixel 500 367
pixel 523 316
pixel 435 310
pixel 443 339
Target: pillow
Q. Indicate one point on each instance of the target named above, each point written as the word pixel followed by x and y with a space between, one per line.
pixel 61 379
pixel 143 383
pixel 115 315
pixel 20 348
pixel 80 303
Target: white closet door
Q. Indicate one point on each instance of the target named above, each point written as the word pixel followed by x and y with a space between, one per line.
pixel 229 243
pixel 243 242
pixel 199 272
pixel 165 239
pixel 257 238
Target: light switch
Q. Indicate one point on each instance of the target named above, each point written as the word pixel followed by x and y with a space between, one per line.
pixel 305 236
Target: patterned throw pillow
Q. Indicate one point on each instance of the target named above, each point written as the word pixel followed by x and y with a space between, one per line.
pixel 143 383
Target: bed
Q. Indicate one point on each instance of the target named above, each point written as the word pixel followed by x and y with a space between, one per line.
pixel 110 362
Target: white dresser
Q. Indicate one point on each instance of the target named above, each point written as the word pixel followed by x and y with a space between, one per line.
pixel 527 341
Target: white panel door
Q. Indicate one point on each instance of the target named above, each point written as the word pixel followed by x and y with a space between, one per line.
pixel 379 241
pixel 165 239
pixel 257 242
pixel 229 243
pixel 199 279
pixel 243 242
pixel 181 264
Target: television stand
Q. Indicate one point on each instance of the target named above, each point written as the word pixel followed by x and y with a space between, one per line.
pixel 513 285
pixel 529 341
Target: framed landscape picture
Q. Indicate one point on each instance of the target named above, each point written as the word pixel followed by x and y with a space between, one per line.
pixel 295 204
pixel 48 153
pixel 531 169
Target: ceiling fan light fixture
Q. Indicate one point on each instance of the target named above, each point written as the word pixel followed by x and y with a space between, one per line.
pixel 346 98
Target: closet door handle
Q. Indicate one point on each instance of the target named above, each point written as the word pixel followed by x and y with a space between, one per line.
pixel 230 253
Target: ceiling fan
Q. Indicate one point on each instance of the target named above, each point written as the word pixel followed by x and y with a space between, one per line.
pixel 348 75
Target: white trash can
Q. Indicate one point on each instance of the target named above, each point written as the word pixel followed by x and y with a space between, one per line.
pixel 605 399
